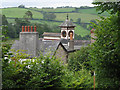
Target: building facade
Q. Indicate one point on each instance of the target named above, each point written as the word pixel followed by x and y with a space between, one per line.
pixel 55 44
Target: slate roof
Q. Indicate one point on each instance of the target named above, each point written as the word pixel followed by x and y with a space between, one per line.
pixel 15 46
pixel 77 42
pixel 81 42
pixel 44 47
pixel 64 41
pixel 48 47
pixel 67 23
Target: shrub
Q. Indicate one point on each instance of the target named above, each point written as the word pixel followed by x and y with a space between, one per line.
pixel 77 79
pixel 79 58
pixel 41 72
pixel 46 72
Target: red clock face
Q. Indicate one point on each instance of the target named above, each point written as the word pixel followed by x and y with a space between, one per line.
pixel 70 32
pixel 64 33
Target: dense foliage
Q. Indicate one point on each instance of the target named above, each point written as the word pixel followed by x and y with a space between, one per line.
pixel 79 59
pixel 106 52
pixel 31 73
pixel 105 57
pixel 42 72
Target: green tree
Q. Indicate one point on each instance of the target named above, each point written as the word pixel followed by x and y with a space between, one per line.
pixel 78 20
pixel 105 57
pixel 21 6
pixel 4 20
pixel 12 31
pixel 28 15
pixel 71 20
pixel 112 7
pixel 93 21
pixel 106 53
pixel 77 79
pixel 41 72
pixel 79 58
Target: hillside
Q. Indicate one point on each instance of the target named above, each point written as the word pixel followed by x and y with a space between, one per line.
pixel 85 14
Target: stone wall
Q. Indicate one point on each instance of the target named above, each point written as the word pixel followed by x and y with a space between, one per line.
pixel 61 54
pixel 29 42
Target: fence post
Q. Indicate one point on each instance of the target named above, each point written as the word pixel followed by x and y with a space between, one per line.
pixel 94 79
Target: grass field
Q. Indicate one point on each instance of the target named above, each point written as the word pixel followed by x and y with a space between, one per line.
pixel 81 31
pixel 85 14
pixel 19 13
pixel 11 20
pixel 84 17
pixel 92 11
pixel 55 9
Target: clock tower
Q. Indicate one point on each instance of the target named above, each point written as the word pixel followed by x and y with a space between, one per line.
pixel 67 27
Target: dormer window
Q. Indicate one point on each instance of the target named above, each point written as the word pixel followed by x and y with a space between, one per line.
pixel 64 33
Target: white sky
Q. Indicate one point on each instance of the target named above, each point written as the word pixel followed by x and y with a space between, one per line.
pixel 45 3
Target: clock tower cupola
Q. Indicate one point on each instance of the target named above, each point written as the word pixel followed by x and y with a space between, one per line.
pixel 67 27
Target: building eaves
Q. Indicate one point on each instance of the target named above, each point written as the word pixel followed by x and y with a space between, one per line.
pixel 52 34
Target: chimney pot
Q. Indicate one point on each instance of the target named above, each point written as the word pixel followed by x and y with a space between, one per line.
pixel 34 28
pixel 25 28
pixel 22 28
pixel 28 28
pixel 31 28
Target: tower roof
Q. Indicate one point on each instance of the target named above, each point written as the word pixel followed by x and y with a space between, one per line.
pixel 67 23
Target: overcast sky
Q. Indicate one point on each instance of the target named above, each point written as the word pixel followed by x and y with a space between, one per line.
pixel 45 3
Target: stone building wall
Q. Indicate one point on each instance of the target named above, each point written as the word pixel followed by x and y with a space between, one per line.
pixel 29 42
pixel 61 54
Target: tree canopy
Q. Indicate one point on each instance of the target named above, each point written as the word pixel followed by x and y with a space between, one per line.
pixel 105 57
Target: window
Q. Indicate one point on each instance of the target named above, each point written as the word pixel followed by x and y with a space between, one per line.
pixel 70 32
pixel 64 33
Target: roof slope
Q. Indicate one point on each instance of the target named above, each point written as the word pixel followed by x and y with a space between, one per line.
pixel 67 23
pixel 48 47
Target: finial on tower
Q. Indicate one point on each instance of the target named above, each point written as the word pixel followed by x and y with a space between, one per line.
pixel 67 16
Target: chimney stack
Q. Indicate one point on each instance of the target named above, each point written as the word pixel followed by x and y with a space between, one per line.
pixel 71 42
pixel 29 40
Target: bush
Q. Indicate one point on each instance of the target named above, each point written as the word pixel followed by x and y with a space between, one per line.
pixel 46 72
pixel 79 58
pixel 39 72
pixel 77 73
pixel 77 79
